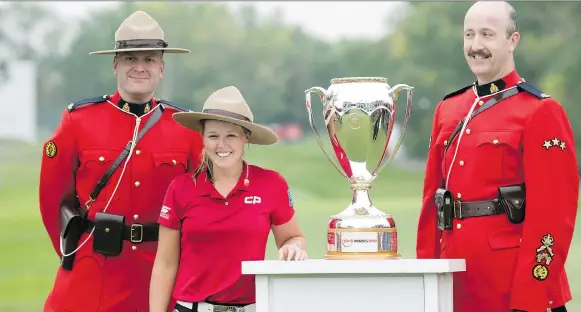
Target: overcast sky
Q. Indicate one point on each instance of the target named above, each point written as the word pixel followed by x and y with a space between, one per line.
pixel 328 20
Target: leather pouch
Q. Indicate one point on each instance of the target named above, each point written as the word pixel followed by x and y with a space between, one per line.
pixel 445 209
pixel 108 234
pixel 512 199
pixel 71 229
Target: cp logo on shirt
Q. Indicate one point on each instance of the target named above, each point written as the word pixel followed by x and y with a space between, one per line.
pixel 252 200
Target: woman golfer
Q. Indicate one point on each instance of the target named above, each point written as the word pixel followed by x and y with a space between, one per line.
pixel 221 214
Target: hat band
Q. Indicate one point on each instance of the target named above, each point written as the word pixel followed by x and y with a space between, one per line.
pixel 226 114
pixel 140 44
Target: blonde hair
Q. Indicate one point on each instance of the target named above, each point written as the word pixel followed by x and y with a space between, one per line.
pixel 205 163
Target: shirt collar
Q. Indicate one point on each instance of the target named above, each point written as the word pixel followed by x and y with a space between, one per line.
pixel 133 108
pixel 505 82
pixel 206 187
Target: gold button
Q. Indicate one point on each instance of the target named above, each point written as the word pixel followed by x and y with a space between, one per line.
pixel 467 131
pixel 107 230
pixel 446 142
pixel 459 195
pixel 481 103
pixel 101 159
pixel 495 141
pixel 174 162
pixel 134 248
pixel 137 183
pixel 226 203
pixel 137 152
pixel 135 217
pixel 459 226
pixel 461 163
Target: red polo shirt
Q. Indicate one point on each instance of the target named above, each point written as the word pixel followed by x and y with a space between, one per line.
pixel 219 233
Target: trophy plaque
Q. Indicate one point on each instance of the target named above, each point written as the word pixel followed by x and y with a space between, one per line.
pixel 359 113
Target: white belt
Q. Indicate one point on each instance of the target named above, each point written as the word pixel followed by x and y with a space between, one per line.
pixel 207 307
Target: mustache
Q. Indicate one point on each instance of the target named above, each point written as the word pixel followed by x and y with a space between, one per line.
pixel 479 53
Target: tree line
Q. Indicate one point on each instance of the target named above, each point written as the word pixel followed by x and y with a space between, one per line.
pixel 273 62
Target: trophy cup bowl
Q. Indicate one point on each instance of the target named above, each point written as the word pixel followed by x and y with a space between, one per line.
pixel 359 114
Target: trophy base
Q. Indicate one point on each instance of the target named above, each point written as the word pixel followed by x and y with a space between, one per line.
pixel 362 256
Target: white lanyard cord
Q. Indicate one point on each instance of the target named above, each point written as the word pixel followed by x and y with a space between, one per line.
pixel 466 120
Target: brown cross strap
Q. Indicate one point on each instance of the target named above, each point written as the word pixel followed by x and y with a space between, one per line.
pixel 491 102
pixel 153 119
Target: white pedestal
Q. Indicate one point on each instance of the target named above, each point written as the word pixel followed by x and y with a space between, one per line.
pixel 404 285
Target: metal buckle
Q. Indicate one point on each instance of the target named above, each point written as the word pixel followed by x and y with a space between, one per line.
pixel 88 203
pixel 458 210
pixel 133 229
pixel 222 308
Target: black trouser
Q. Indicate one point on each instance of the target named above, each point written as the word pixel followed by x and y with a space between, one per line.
pixel 181 308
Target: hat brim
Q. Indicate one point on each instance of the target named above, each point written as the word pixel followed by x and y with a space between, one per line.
pixel 165 50
pixel 259 135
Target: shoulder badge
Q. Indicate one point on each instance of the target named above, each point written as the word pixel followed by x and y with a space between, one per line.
pixel 525 86
pixel 50 149
pixel 457 92
pixel 172 105
pixel 95 100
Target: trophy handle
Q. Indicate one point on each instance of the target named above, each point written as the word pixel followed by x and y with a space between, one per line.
pixel 396 90
pixel 322 93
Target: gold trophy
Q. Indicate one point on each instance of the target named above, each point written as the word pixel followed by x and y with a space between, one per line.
pixel 359 114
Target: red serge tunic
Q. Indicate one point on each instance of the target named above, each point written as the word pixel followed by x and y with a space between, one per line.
pixel 83 147
pixel 219 233
pixel 524 138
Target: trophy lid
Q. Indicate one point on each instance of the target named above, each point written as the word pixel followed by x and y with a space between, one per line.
pixel 358 79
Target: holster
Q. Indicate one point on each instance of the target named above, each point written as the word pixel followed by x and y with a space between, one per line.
pixel 445 209
pixel 512 198
pixel 72 223
pixel 108 234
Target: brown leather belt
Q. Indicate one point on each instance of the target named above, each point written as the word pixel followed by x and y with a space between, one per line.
pixel 135 233
pixel 463 210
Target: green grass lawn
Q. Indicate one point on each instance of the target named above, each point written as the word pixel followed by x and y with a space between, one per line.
pixel 28 263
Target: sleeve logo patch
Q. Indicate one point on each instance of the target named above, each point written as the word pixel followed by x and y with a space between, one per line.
pixel 50 149
pixel 554 143
pixel 290 198
pixel 165 212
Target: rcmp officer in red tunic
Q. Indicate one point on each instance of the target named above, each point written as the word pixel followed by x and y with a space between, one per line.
pixel 103 177
pixel 501 185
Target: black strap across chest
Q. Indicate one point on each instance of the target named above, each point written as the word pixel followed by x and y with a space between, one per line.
pixel 491 102
pixel 155 116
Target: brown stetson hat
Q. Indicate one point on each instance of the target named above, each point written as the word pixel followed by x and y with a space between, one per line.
pixel 140 32
pixel 228 104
